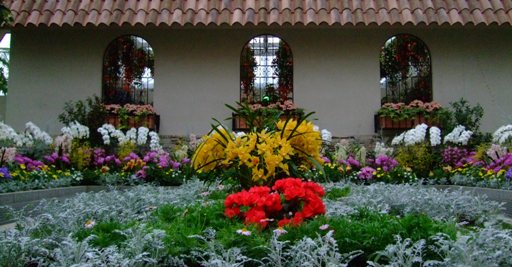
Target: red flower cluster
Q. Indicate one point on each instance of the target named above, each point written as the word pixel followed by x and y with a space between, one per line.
pixel 290 201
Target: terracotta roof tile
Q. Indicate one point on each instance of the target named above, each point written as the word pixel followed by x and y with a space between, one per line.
pixel 259 12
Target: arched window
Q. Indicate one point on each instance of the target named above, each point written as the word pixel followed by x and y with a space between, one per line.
pixel 405 70
pixel 128 68
pixel 266 71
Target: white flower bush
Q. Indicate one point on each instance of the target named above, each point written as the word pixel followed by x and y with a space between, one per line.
pixel 76 130
pixel 435 136
pixel 502 134
pixel 413 136
pixel 136 136
pixel 459 136
pixel 9 136
pixel 33 132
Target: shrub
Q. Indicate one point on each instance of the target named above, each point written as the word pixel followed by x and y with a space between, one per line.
pixel 89 112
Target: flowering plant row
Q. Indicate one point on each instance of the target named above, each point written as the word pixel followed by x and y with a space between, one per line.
pixel 289 202
pixel 130 109
pixel 402 111
pixel 135 155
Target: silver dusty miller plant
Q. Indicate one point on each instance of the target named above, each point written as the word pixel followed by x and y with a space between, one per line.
pixel 405 199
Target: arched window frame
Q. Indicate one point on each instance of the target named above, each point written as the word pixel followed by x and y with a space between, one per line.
pixel 135 86
pixel 270 78
pixel 397 85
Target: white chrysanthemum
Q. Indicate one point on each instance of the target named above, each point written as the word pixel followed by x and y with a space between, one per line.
pixel 464 137
pixel 398 139
pixel 142 136
pixel 131 135
pixel 453 136
pixel 76 130
pixel 326 135
pixel 435 136
pixel 459 135
pixel 37 134
pixel 8 134
pixel 154 141
pixel 502 134
pixel 106 139
pixel 415 135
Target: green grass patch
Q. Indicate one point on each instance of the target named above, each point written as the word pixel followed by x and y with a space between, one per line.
pixel 105 233
pixel 337 193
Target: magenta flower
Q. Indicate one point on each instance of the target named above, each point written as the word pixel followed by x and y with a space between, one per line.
pixel 366 173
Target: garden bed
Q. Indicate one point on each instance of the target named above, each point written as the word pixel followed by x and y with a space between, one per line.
pixel 154 226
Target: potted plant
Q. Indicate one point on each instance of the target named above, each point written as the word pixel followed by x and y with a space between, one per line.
pixel 132 116
pixel 259 116
pixel 405 116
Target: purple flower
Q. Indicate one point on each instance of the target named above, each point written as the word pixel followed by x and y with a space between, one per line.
pixel 164 163
pixel 508 175
pixel 175 165
pixel 353 162
pixel 4 173
pixel 350 162
pixel 131 156
pixel 366 173
pixel 185 161
pixel 385 162
pixel 326 159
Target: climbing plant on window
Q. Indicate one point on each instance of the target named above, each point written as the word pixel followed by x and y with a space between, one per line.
pixel 266 71
pixel 128 69
pixel 405 70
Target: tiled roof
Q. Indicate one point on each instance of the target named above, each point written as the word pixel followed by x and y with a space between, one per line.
pixel 259 12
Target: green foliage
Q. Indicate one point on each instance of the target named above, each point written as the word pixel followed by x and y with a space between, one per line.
pixel 371 231
pixel 467 115
pixel 5 16
pixel 80 156
pixel 418 157
pixel 180 223
pixel 4 68
pixel 105 233
pixel 89 112
pixel 257 120
pixel 165 177
pixel 365 230
pixel 336 193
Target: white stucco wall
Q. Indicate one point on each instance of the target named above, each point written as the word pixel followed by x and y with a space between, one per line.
pixel 336 72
